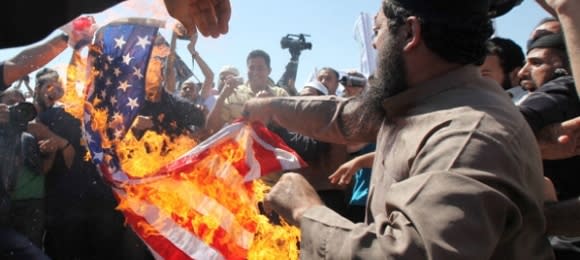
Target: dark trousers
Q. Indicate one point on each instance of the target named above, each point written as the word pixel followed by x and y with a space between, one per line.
pixel 15 246
pixel 94 230
pixel 27 218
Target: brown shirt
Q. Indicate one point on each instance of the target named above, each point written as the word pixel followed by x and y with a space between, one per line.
pixel 457 175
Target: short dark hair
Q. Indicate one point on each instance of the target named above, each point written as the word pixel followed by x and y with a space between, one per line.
pixel 45 75
pixel 257 54
pixel 462 40
pixel 510 54
pixel 335 72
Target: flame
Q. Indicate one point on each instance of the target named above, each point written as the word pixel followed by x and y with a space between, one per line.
pixel 208 198
pixel 141 158
pixel 73 99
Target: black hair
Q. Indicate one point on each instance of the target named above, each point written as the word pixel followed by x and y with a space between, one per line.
pixel 45 75
pixel 458 40
pixel 259 53
pixel 510 54
pixel 331 70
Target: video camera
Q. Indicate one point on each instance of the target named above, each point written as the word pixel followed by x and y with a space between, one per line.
pixel 295 42
pixel 21 114
pixel 353 81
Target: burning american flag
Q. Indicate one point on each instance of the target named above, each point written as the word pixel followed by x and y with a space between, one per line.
pixel 184 200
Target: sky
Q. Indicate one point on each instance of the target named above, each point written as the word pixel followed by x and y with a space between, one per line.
pixel 260 24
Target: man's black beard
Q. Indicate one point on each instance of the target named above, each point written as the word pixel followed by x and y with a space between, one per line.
pixel 390 80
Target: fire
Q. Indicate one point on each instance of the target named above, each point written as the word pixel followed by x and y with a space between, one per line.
pixel 208 197
pixel 142 158
pixel 73 99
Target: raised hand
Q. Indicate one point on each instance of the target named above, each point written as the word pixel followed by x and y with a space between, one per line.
pixel 209 17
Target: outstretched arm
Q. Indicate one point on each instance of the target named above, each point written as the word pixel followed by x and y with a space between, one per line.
pixel 33 58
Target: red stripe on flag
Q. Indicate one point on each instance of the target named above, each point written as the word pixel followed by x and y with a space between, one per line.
pixel 158 243
pixel 221 239
pixel 269 137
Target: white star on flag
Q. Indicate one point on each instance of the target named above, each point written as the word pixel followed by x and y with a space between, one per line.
pixel 127 58
pixel 119 42
pixel 118 133
pixel 137 72
pixel 117 72
pixel 117 117
pixel 99 156
pixel 124 85
pixel 88 138
pixel 113 100
pixel 132 103
pixel 143 42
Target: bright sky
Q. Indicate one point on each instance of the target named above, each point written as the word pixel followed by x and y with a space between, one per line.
pixel 261 24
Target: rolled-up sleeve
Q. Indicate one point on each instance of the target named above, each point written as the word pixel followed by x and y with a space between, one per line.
pixel 326 118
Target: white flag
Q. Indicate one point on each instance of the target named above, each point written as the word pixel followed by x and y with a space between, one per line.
pixel 363 33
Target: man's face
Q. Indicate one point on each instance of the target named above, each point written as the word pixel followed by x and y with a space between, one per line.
pixel 50 92
pixel 329 80
pixel 539 68
pixel 188 91
pixel 492 69
pixel 390 76
pixel 258 72
pixel 352 91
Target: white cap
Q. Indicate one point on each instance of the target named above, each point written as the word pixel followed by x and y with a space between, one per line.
pixel 318 86
pixel 229 69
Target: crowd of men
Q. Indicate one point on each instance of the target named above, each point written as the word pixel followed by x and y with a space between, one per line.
pixel 460 146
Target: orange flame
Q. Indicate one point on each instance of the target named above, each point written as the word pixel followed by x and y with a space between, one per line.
pixel 76 81
pixel 208 198
pixel 212 200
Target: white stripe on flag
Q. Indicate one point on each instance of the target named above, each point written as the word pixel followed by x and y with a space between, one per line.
pixel 183 239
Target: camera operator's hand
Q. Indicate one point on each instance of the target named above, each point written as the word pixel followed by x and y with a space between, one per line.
pixel 210 17
pixel 4 114
pixel 231 84
pixel 264 93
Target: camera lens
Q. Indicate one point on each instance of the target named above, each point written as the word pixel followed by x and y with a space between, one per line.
pixel 22 112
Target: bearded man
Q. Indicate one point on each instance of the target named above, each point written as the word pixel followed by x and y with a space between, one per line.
pixel 457 172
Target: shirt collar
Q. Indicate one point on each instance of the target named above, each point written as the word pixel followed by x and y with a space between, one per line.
pixel 453 79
